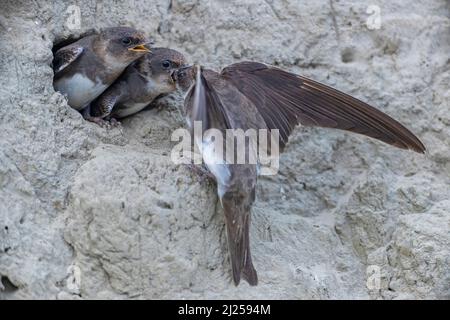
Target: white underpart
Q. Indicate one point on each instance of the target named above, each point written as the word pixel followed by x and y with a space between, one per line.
pixel 216 165
pixel 80 90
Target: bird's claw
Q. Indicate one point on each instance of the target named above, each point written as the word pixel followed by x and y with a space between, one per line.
pixel 98 120
pixel 104 123
pixel 114 122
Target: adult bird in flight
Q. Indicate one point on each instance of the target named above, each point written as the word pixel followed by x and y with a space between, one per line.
pixel 251 95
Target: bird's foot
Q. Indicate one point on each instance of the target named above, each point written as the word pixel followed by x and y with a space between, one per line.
pixel 202 172
pixel 114 122
pixel 104 123
pixel 98 120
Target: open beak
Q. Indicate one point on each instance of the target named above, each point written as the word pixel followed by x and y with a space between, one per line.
pixel 184 67
pixel 174 75
pixel 140 48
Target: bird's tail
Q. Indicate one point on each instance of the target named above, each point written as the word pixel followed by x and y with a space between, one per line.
pixel 238 232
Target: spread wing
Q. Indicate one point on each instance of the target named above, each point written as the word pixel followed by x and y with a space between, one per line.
pixel 65 56
pixel 285 100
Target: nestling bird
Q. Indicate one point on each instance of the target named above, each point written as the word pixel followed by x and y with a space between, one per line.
pixel 251 95
pixel 142 82
pixel 85 68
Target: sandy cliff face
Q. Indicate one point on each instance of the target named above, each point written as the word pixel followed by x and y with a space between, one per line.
pixel 91 213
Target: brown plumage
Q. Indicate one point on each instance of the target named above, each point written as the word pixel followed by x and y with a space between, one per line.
pixel 85 68
pixel 219 105
pixel 142 82
pixel 252 95
pixel 285 99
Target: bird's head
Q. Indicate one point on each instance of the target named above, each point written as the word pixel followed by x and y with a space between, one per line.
pixel 160 66
pixel 124 45
pixel 185 76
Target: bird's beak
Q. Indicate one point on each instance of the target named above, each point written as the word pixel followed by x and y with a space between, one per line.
pixel 175 73
pixel 172 77
pixel 140 48
pixel 184 67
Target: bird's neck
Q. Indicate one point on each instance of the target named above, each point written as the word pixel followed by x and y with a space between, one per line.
pixel 99 46
pixel 142 69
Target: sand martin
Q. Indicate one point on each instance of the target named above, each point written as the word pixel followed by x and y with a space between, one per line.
pixel 254 95
pixel 85 68
pixel 142 82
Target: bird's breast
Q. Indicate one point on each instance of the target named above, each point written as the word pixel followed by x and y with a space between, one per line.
pixel 80 89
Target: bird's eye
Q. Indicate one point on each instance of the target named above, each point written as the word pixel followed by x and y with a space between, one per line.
pixel 126 41
pixel 166 64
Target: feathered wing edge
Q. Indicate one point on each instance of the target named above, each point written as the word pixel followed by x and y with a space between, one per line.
pixel 204 105
pixel 285 100
pixel 65 56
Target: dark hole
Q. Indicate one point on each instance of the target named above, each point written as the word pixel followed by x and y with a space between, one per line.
pixel 7 249
pixel 8 286
pixel 22 220
pixel 6 228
